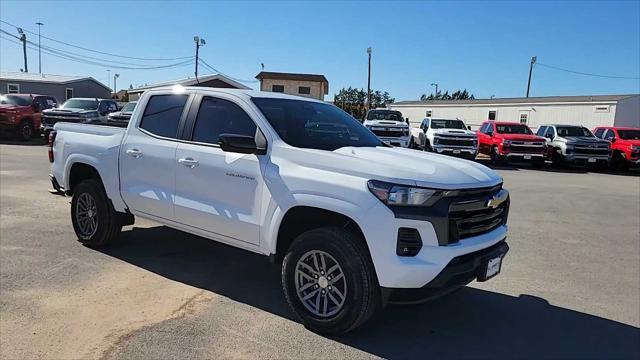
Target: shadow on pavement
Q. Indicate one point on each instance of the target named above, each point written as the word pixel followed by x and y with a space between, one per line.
pixel 467 323
pixel 8 139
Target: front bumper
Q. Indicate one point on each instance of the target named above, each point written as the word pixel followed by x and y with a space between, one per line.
pixel 399 142
pixel 8 127
pixel 460 271
pixel 525 156
pixel 594 159
pixel 455 150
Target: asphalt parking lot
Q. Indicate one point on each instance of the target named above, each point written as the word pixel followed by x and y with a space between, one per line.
pixel 570 286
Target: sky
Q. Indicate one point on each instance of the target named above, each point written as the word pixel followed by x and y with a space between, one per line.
pixel 484 47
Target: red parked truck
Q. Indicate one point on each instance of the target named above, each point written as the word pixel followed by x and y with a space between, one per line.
pixel 625 145
pixel 21 114
pixel 510 141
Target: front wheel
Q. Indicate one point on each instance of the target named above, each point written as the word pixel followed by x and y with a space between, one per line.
pixel 95 222
pixel 329 281
pixel 618 162
pixel 25 131
pixel 496 159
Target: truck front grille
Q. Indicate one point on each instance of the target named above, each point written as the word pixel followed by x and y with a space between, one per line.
pixel 526 147
pixel 4 118
pixel 454 141
pixel 466 224
pixel 591 150
pixel 389 133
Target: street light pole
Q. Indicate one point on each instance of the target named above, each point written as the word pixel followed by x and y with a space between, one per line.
pixel 533 61
pixel 23 38
pixel 115 87
pixel 39 52
pixel 436 85
pixel 199 42
pixel 369 82
pixel 109 79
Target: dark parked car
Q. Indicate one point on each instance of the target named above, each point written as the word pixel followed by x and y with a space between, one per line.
pixel 78 110
pixel 121 118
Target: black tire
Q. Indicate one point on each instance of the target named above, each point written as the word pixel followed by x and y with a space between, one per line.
pixel 496 159
pixel 362 292
pixel 412 144
pixel 427 145
pixel 557 160
pixel 25 130
pixel 618 162
pixel 108 225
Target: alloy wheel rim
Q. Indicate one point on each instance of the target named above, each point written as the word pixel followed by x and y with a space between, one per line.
pixel 87 215
pixel 320 283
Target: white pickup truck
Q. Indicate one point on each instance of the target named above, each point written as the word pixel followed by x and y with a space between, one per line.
pixel 445 136
pixel 354 223
pixel 389 126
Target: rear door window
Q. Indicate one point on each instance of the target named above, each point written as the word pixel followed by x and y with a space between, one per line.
pixel 162 115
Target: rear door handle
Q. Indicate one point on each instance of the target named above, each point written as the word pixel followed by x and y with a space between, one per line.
pixel 188 162
pixel 134 153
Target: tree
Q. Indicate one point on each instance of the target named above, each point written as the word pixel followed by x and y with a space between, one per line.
pixel 457 95
pixel 354 100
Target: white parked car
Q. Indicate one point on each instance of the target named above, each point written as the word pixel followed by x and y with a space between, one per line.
pixel 389 126
pixel 445 136
pixel 355 224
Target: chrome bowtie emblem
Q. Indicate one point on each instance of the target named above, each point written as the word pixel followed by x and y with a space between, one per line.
pixel 497 199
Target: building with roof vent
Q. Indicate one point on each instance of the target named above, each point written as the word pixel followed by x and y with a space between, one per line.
pixel 212 80
pixel 307 85
pixel 589 111
pixel 62 87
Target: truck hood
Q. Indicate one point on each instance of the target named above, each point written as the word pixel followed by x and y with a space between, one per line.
pixel 583 140
pixel 68 111
pixel 454 132
pixel 398 165
pixel 522 137
pixel 386 123
pixel 9 107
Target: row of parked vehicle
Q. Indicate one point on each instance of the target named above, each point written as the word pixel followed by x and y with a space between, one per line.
pixel 504 142
pixel 30 115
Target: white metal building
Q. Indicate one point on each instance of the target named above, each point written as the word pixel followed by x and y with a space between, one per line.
pixel 589 111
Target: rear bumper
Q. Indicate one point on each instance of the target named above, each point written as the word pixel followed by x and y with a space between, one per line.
pixel 460 271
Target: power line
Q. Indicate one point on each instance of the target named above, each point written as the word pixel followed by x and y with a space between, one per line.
pixel 90 62
pixel 588 74
pixel 99 52
pixel 204 63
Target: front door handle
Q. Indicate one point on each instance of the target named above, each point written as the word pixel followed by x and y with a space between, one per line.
pixel 188 162
pixel 134 153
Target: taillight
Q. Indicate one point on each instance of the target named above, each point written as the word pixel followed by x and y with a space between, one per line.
pixel 52 139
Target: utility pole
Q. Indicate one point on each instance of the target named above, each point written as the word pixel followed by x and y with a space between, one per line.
pixel 369 82
pixel 533 61
pixel 109 79
pixel 199 42
pixel 39 52
pixel 115 88
pixel 436 85
pixel 23 38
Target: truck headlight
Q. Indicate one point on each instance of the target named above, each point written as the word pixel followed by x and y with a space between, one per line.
pixel 506 142
pixel 401 195
pixel 634 148
pixel 436 139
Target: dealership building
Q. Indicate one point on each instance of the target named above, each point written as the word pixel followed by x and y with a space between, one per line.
pixel 589 111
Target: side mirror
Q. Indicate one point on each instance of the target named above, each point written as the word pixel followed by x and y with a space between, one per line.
pixel 490 134
pixel 36 107
pixel 613 139
pixel 469 127
pixel 241 144
pixel 549 136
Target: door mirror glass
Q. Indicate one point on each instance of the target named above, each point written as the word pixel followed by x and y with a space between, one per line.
pixel 469 127
pixel 240 144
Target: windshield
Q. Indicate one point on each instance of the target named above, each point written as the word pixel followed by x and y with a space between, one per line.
pixel 384 115
pixel 80 104
pixel 15 100
pixel 573 131
pixel 129 107
pixel 514 129
pixel 312 125
pixel 447 124
pixel 629 134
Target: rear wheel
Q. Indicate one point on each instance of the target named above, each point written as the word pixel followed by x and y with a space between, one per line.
pixel 95 222
pixel 25 130
pixel 557 159
pixel 329 281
